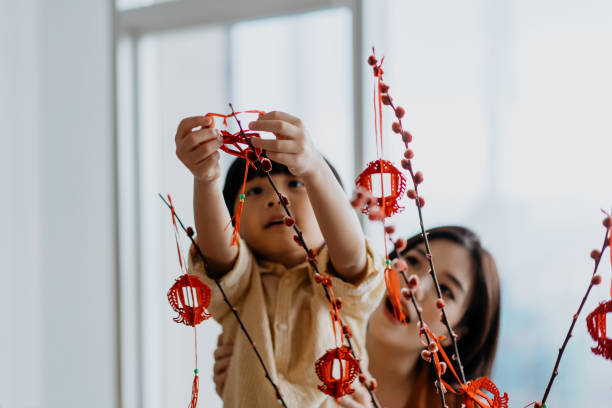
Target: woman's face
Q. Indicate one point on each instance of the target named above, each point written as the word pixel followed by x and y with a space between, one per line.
pixel 455 275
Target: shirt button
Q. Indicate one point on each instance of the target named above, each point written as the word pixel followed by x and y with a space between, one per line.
pixel 282 326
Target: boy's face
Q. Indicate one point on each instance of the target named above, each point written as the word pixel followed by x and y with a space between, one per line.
pixel 262 225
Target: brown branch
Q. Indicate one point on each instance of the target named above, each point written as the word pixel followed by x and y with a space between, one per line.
pixel 232 308
pixel 417 308
pixel 302 243
pixel 419 204
pixel 555 371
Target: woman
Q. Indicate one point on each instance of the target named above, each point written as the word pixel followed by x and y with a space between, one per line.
pixel 469 283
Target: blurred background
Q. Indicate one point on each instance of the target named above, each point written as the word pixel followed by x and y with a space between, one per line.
pixel 509 102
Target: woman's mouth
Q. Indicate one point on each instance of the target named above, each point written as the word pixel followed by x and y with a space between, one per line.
pixel 391 314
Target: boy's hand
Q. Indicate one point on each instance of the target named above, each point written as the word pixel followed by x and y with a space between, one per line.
pixel 292 146
pixel 197 149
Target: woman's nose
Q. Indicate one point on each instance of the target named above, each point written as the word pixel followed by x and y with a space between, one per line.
pixel 425 286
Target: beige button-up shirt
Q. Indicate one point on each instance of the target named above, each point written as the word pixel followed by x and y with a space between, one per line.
pixel 288 317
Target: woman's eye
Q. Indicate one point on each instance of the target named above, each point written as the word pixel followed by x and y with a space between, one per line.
pixel 447 293
pixel 412 260
pixel 253 191
pixel 296 183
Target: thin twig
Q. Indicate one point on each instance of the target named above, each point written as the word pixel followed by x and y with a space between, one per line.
pixel 555 371
pixel 302 243
pixel 417 308
pixel 429 256
pixel 232 308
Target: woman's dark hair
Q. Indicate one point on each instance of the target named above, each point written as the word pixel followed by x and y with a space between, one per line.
pixel 479 326
pixel 235 177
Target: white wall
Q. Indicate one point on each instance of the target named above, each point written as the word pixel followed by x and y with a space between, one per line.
pixel 58 336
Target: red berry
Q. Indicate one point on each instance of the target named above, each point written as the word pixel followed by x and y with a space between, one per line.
pixel 297 240
pixel 266 165
pixel 420 202
pixel 251 156
pixel 406 136
pixel 386 99
pixel 362 378
pixel 433 347
pixel 312 254
pixel 396 127
pixel 375 213
pixel 400 244
pixel 338 303
pixel 409 154
pixel 189 232
pixel 418 177
pixel 285 199
pixel 413 282
pixel 390 229
pixel 595 254
pixel 318 277
pixel 607 222
pixel 384 88
pixel 411 194
pixel 399 264
pixel 426 355
pixel 596 280
pixel 405 164
pixel 347 331
pixel 289 221
pixel 406 293
pixel 400 112
pixel 442 367
pixel 439 303
pixel 372 60
pixel 376 71
pixel 372 384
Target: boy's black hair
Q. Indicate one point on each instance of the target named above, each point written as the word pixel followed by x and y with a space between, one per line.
pixel 235 176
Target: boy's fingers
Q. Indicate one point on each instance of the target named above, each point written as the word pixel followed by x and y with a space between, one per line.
pixel 222 351
pixel 279 127
pixel 221 365
pixel 191 122
pixel 220 339
pixel 193 140
pixel 288 159
pixel 201 153
pixel 277 115
pixel 220 383
pixel 348 402
pixel 274 145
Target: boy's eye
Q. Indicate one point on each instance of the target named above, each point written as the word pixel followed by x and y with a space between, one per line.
pixel 253 191
pixel 447 293
pixel 296 183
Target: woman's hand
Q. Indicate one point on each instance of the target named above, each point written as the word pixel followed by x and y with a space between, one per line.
pixel 359 399
pixel 223 357
pixel 197 149
pixel 292 146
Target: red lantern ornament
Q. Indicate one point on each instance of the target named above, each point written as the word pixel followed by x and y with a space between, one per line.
pixel 349 370
pixel 596 325
pixel 388 202
pixel 190 298
pixel 476 397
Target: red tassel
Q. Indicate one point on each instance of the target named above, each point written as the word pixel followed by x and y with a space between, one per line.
pixel 393 288
pixel 194 392
pixel 238 213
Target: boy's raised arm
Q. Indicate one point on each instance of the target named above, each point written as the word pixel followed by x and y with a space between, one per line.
pixel 197 148
pixel 336 218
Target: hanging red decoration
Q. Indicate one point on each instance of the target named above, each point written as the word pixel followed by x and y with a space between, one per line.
pixel 349 369
pixel 389 202
pixel 190 298
pixel 393 288
pixel 237 144
pixel 596 325
pixel 474 395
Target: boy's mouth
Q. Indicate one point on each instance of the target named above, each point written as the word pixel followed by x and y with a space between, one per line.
pixel 274 222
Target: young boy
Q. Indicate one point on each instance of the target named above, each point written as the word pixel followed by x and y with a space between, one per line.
pixel 266 276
